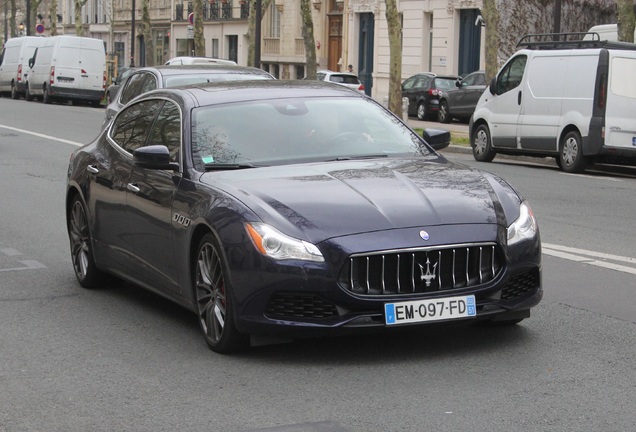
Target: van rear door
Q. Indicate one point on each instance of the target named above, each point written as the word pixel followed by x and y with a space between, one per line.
pixel 92 66
pixel 620 122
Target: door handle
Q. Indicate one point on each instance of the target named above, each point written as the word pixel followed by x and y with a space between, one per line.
pixel 92 169
pixel 133 188
pixel 519 98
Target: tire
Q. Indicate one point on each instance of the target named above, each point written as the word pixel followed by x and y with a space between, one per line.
pixel 571 153
pixel 482 145
pixel 28 95
pixel 421 111
pixel 213 296
pixel 14 93
pixel 443 115
pixel 79 234
pixel 46 97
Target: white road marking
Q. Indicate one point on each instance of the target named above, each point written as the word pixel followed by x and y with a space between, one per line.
pixel 28 265
pixel 597 259
pixel 39 135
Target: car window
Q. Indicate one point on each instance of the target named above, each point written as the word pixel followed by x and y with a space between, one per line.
pixel 445 83
pixel 132 87
pixel 511 75
pixel 130 129
pixel 469 80
pixel 167 130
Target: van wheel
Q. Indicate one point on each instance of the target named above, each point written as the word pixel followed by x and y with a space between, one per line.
pixel 14 93
pixel 443 116
pixel 28 95
pixel 571 153
pixel 46 97
pixel 481 144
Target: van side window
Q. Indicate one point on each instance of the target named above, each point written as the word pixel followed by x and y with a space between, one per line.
pixel 511 75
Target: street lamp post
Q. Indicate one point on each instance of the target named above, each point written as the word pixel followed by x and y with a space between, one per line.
pixel 132 37
pixel 257 35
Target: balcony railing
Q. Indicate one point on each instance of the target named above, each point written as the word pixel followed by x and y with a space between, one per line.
pixel 216 11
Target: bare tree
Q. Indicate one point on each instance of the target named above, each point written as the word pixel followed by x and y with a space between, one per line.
pixel 395 62
pixel 308 39
pixel 251 25
pixel 146 24
pixel 626 19
pixel 79 28
pixel 199 39
pixel 53 19
pixel 491 17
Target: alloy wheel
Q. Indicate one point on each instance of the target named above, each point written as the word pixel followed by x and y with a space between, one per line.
pixel 80 240
pixel 211 293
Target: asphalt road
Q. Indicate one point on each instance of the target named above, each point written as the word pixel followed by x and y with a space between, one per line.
pixel 122 359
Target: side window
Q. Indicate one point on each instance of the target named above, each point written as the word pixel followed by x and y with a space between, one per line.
pixel 131 126
pixel 512 74
pixel 469 80
pixel 167 130
pixel 408 84
pixel 132 87
pixel 150 83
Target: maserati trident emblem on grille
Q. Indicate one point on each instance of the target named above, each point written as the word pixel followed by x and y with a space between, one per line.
pixel 428 276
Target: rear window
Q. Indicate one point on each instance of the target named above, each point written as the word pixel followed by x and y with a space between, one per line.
pixel 622 81
pixel 344 79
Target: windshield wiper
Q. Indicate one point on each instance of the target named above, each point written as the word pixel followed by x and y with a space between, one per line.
pixel 219 167
pixel 345 158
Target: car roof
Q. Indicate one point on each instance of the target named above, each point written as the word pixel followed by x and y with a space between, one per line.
pixel 245 91
pixel 167 70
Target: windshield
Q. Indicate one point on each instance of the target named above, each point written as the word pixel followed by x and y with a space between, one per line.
pixel 284 131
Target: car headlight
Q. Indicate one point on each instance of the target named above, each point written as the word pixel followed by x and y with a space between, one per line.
pixel 525 227
pixel 274 244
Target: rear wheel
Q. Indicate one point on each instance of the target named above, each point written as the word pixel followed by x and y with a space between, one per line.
pixel 481 143
pixel 214 298
pixel 421 111
pixel 82 247
pixel 46 97
pixel 14 93
pixel 443 116
pixel 28 95
pixel 571 153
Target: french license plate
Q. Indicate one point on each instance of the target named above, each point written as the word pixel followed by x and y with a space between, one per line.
pixel 430 310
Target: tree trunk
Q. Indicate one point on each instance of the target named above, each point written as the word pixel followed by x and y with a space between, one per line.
pixel 626 19
pixel 308 39
pixel 12 20
pixel 491 16
pixel 199 39
pixel 53 20
pixel 79 28
pixel 395 58
pixel 251 25
pixel 147 32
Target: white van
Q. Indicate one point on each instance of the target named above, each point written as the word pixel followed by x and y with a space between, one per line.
pixel 571 100
pixel 68 68
pixel 607 32
pixel 14 61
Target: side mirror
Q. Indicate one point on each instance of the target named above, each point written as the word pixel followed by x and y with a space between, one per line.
pixel 458 83
pixel 493 86
pixel 437 138
pixel 154 157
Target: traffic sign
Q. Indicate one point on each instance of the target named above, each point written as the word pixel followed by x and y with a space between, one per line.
pixel 191 18
pixel 39 29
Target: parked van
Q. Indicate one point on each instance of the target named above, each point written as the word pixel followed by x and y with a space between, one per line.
pixel 14 61
pixel 68 68
pixel 607 32
pixel 573 100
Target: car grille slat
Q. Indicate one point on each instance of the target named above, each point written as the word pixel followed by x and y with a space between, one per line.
pixel 422 270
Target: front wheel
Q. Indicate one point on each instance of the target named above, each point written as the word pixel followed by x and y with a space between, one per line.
pixel 82 247
pixel 214 299
pixel 421 111
pixel 571 153
pixel 482 146
pixel 443 115
pixel 28 95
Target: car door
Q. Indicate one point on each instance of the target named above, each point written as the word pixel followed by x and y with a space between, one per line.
pixel 465 98
pixel 414 89
pixel 505 106
pixel 149 201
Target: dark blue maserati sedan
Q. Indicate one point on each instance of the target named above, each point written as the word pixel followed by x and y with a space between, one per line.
pixel 289 209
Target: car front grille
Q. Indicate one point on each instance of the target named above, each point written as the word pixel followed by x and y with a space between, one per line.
pixel 299 306
pixel 421 270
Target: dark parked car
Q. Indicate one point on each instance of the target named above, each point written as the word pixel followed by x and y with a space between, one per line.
pixel 112 89
pixel 460 102
pixel 423 91
pixel 145 79
pixel 295 208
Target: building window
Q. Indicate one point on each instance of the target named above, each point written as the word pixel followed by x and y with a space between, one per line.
pixel 300 71
pixel 274 22
pixel 215 48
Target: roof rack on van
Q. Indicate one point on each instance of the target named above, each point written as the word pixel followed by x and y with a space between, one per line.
pixel 547 41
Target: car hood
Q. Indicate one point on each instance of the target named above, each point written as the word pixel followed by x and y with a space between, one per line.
pixel 321 201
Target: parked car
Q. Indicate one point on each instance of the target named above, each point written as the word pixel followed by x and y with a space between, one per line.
pixel 460 102
pixel 68 68
pixel 571 99
pixel 345 79
pixel 423 91
pixel 14 64
pixel 198 60
pixel 145 79
pixel 282 209
pixel 112 89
